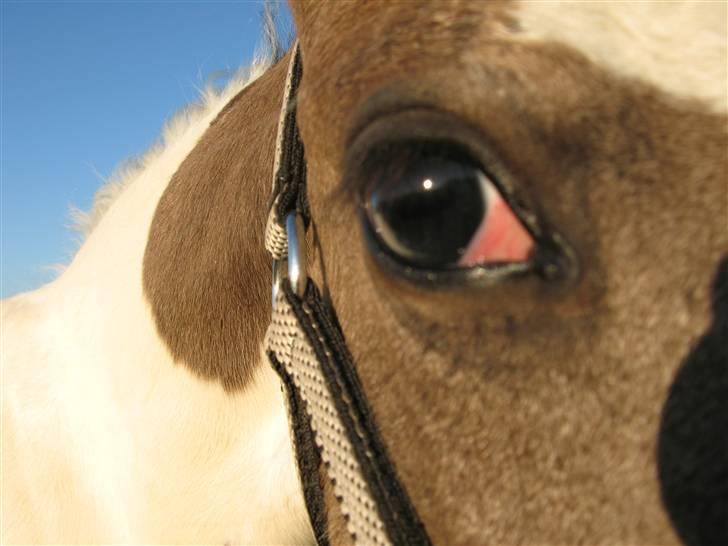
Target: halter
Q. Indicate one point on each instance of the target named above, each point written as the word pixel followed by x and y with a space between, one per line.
pixel 329 417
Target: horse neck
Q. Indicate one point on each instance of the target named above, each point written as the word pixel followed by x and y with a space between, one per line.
pixel 140 432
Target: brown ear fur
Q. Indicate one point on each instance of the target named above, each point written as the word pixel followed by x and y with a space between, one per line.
pixel 206 271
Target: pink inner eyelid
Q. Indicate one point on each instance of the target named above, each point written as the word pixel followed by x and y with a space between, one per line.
pixel 501 237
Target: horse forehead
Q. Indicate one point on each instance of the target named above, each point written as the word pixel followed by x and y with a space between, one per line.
pixel 459 50
pixel 680 47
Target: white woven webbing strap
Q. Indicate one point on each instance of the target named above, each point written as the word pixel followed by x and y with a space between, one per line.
pixel 275 232
pixel 287 340
pixel 276 241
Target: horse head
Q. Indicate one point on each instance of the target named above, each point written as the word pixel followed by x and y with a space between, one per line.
pixel 583 405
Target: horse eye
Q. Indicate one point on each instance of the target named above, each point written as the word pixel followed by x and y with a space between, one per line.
pixel 437 209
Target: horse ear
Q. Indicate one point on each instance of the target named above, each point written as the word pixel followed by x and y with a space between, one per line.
pixel 206 272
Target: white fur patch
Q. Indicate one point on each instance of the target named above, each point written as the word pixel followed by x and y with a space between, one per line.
pixel 681 47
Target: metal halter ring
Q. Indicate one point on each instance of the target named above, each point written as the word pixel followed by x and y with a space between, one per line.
pixel 293 266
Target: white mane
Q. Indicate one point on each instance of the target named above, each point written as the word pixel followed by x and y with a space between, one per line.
pixel 210 100
pixel 174 130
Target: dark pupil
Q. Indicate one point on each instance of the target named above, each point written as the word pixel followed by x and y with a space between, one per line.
pixel 429 212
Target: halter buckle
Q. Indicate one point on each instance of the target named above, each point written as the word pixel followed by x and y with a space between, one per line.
pixel 293 266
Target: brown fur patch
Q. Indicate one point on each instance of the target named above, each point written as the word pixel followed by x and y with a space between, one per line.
pixel 206 271
pixel 526 413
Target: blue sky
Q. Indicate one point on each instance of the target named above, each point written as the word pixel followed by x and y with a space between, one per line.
pixel 84 86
